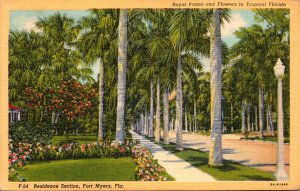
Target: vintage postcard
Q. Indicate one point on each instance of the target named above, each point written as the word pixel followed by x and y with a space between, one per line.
pixel 149 95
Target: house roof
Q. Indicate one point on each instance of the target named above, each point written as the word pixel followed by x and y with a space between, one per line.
pixel 12 107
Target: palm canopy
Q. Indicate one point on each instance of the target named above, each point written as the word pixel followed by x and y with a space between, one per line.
pixel 98 33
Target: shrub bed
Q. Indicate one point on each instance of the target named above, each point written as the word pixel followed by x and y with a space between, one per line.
pixel 147 168
pixel 17 156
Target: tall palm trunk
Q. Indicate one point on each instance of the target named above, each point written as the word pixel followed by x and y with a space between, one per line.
pixel 179 103
pixel 267 119
pixel 256 124
pixel 145 123
pixel 142 123
pixel 157 124
pixel 243 118
pixel 166 116
pixel 261 112
pixel 271 126
pixel 222 121
pixel 151 123
pixel 139 126
pixel 215 151
pixel 195 115
pixel 185 119
pixel 101 100
pixel 122 67
pixel 248 116
pixel 231 116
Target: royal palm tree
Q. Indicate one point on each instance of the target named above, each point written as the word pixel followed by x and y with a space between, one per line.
pixel 156 41
pixel 96 40
pixel 215 152
pixel 122 68
pixel 188 36
pixel 253 57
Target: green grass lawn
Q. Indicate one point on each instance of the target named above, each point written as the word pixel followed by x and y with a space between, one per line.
pixel 81 139
pixel 104 169
pixel 230 170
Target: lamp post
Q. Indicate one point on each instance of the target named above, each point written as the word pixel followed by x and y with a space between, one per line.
pixel 280 173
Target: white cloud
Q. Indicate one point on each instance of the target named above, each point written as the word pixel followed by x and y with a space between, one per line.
pixel 236 21
pixel 30 24
pixel 26 23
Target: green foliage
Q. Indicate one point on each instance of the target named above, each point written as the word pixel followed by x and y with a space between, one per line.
pixel 14 175
pixel 253 58
pixel 66 48
pixel 80 139
pixel 30 132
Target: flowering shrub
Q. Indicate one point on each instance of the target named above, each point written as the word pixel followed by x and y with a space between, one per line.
pixel 147 167
pixel 70 98
pixel 17 157
pixel 75 150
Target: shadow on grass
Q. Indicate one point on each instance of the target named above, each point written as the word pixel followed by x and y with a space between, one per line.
pixel 229 171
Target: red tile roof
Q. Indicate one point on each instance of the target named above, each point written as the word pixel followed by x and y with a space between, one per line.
pixel 13 107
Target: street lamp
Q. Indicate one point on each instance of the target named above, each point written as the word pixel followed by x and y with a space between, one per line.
pixel 280 173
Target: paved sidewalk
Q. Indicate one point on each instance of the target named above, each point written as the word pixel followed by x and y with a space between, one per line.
pixel 181 170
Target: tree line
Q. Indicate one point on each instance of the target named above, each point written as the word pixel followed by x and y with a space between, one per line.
pixel 151 75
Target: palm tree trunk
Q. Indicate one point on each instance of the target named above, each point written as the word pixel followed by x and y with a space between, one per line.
pixel 151 123
pixel 231 116
pixel 243 119
pixel 256 124
pixel 140 127
pixel 101 100
pixel 270 119
pixel 166 116
pixel 267 118
pixel 261 112
pixel 157 124
pixel 222 121
pixel 145 122
pixel 179 104
pixel 195 115
pixel 142 123
pixel 122 67
pixel 248 116
pixel 185 120
pixel 215 152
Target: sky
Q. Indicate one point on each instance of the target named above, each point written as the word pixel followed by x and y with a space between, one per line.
pixel 25 20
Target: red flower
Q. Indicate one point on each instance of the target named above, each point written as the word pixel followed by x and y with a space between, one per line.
pixel 20 164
